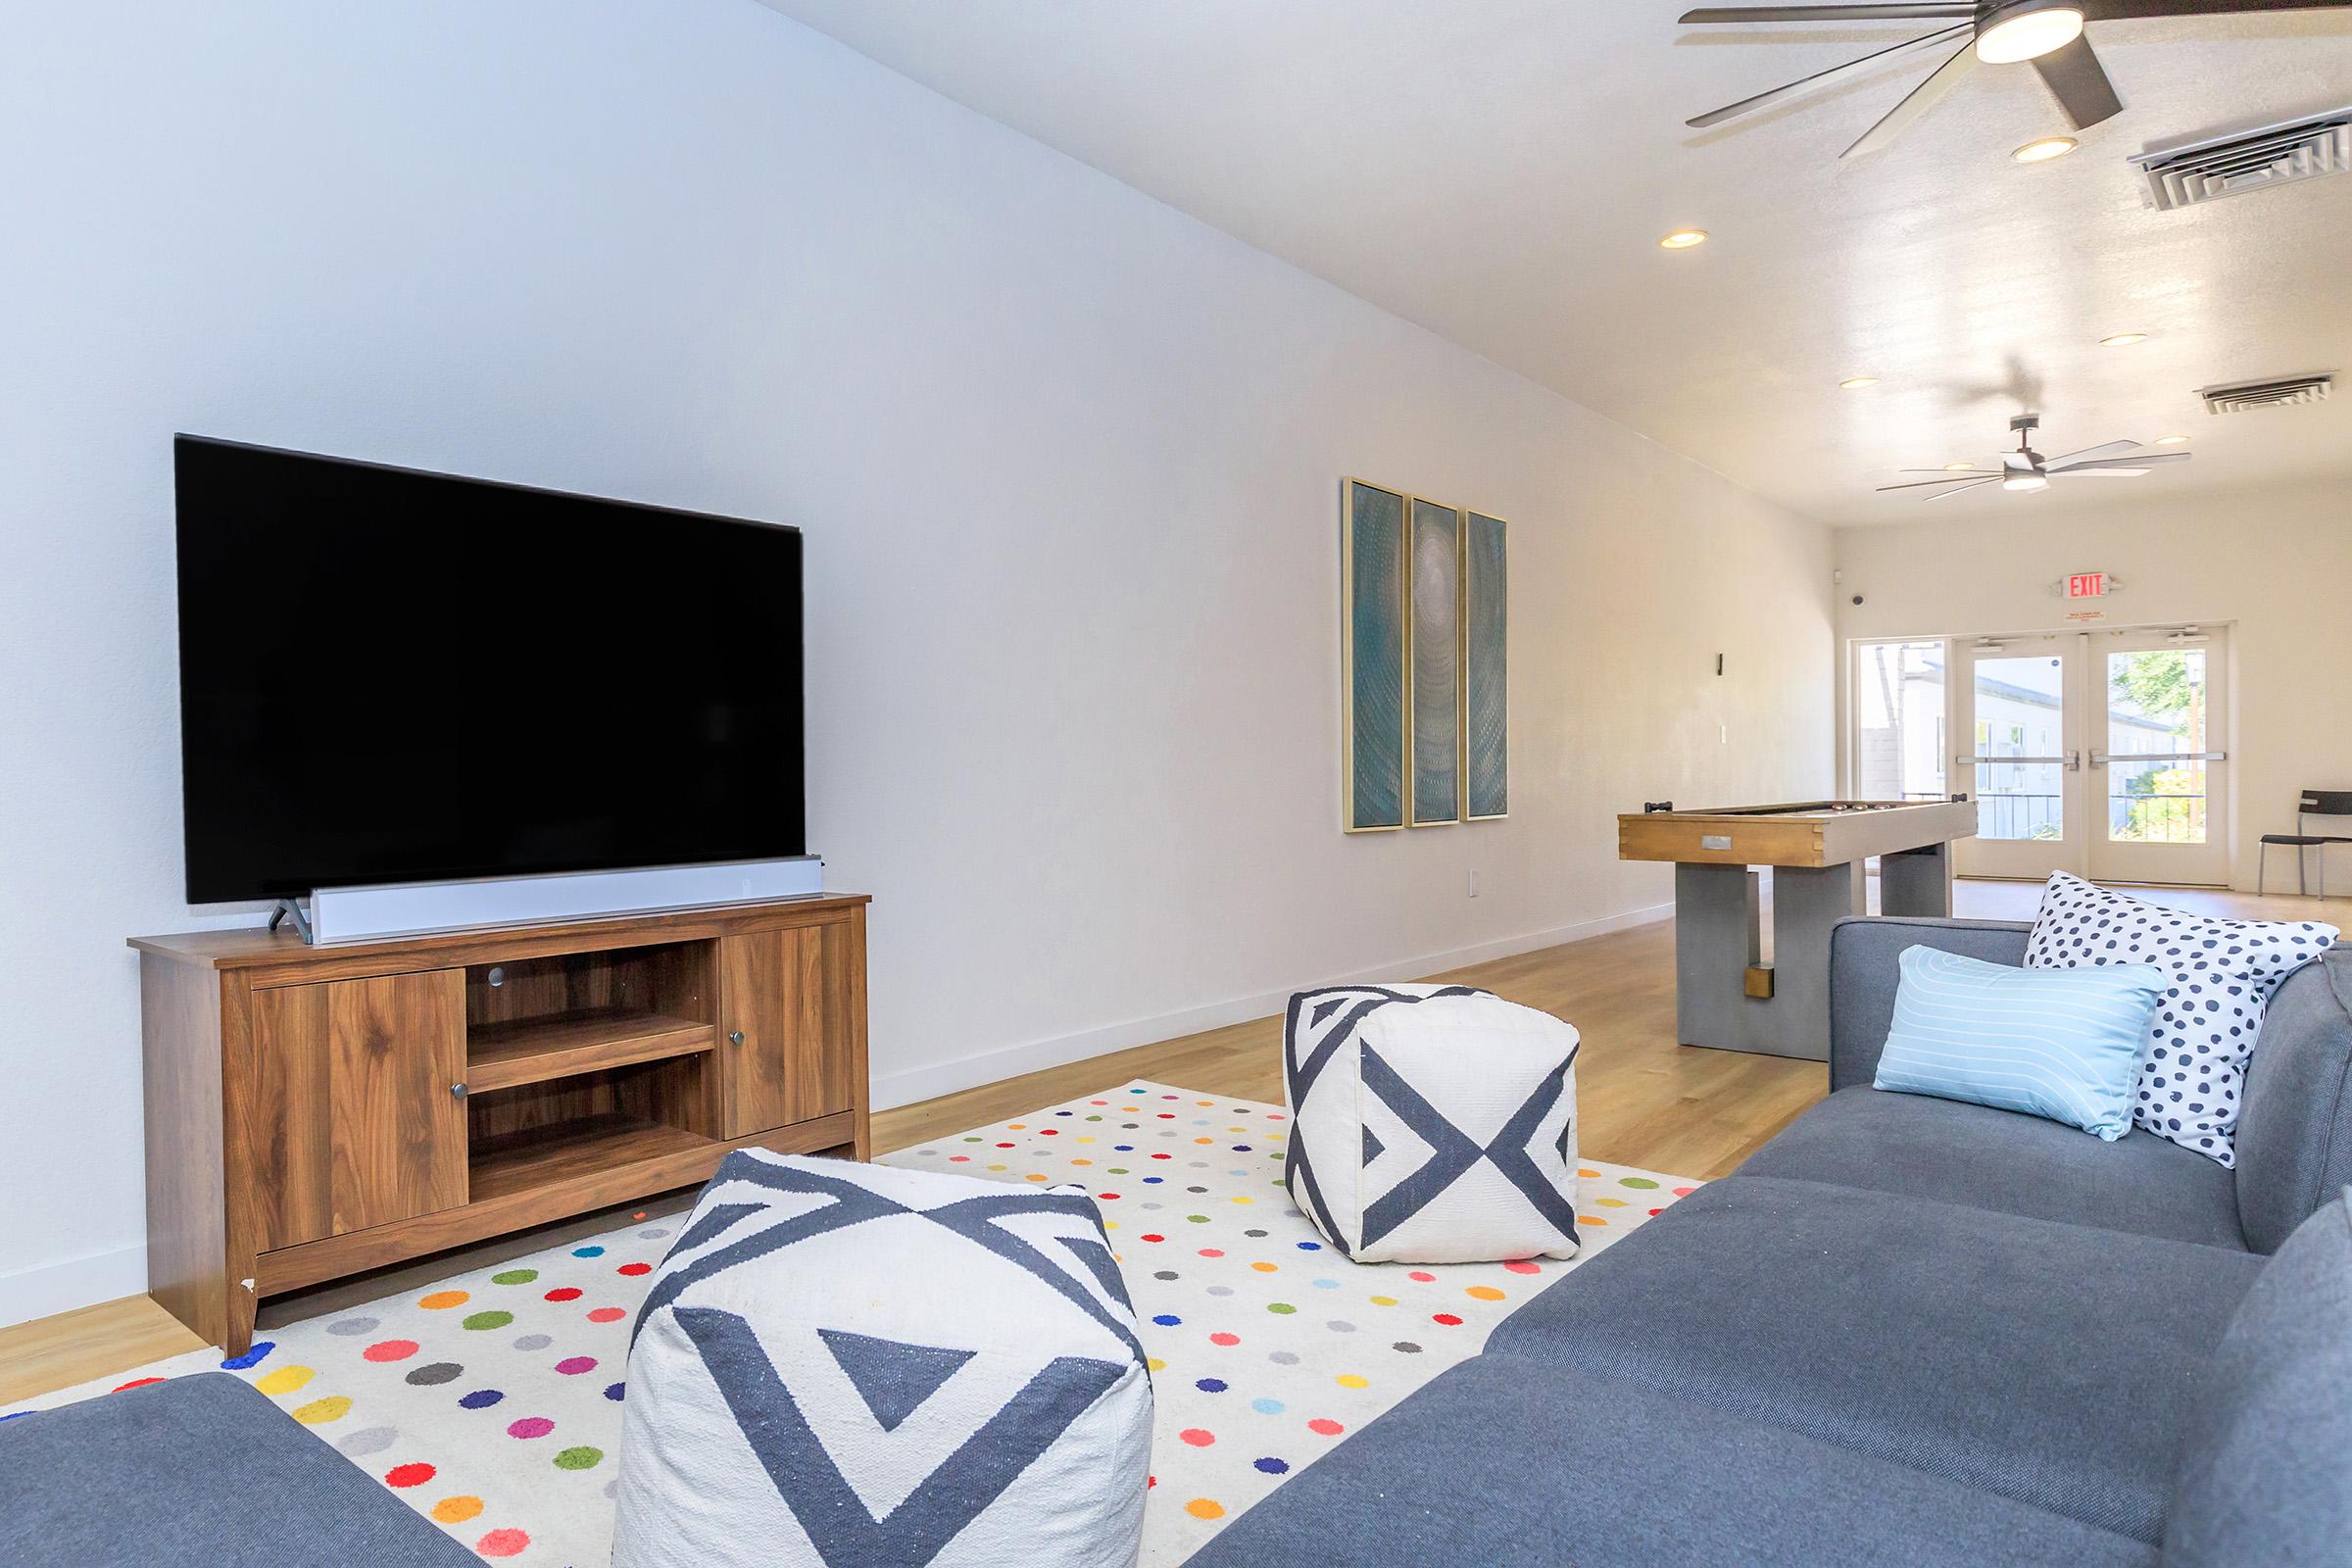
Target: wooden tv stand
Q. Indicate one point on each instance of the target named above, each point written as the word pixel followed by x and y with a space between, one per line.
pixel 318 1111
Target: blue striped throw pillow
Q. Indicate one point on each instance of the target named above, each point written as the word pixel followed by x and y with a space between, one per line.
pixel 2057 1042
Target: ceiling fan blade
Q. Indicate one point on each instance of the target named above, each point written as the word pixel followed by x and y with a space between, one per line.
pixel 2121 9
pixel 1918 102
pixel 1951 9
pixel 2100 471
pixel 2080 84
pixel 1949 478
pixel 1820 79
pixel 2087 453
pixel 1959 488
pixel 2120 465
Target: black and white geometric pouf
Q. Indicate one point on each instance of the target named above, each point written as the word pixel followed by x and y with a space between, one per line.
pixel 855 1367
pixel 1431 1124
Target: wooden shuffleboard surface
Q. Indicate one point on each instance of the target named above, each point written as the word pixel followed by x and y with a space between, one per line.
pixel 1814 833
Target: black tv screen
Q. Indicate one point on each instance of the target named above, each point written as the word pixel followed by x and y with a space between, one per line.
pixel 392 677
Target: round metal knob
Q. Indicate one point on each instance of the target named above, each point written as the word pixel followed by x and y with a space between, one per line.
pixel 459 1089
pixel 734 1037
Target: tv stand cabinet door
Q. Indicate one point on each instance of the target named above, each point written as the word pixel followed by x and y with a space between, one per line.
pixel 789 1038
pixel 354 1122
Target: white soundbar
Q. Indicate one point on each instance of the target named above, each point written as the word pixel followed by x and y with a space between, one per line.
pixel 411 909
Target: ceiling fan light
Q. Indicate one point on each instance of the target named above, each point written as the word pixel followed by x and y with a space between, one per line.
pixel 2027 31
pixel 1855 383
pixel 2026 482
pixel 2046 148
pixel 1959 467
pixel 2171 440
pixel 2121 340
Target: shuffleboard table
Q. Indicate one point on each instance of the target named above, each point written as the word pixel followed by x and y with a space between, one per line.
pixel 1726 993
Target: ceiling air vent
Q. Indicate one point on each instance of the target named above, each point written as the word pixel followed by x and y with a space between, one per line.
pixel 2247 395
pixel 2249 159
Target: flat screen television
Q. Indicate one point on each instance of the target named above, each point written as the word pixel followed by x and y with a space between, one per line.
pixel 393 676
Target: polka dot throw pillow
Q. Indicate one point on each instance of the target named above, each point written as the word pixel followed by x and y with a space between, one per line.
pixel 2219 978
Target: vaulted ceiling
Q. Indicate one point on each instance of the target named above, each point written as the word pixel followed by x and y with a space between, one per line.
pixel 1500 172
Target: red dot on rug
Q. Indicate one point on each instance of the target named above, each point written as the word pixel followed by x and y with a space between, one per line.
pixel 1421 1275
pixel 502 1543
pixel 564 1292
pixel 1446 1318
pixel 1224 1339
pixel 1324 1427
pixel 1151 1236
pixel 608 1314
pixel 1524 1267
pixel 409 1475
pixel 1197 1437
pixel 135 1382
pixel 1108 1198
pixel 1212 1251
pixel 390 1351
pixel 636 1268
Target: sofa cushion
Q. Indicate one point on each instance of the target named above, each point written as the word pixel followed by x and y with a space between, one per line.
pixel 1514 1463
pixel 2266 1475
pixel 2295 1137
pixel 2010 1165
pixel 2221 976
pixel 2060 1043
pixel 2052 1365
pixel 195 1470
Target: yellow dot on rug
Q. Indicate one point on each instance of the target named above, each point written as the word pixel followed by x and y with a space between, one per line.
pixel 1610 1202
pixel 1593 1220
pixel 1157 1364
pixel 1205 1508
pixel 456 1510
pixel 1082 1162
pixel 286 1380
pixel 1034 1176
pixel 443 1301
pixel 1017 1126
pixel 320 1411
pixel 1245 1199
pixel 1483 1292
pixel 1204 1102
pixel 996 1167
pixel 1083 1140
pixel 1384 1300
pixel 1348 1379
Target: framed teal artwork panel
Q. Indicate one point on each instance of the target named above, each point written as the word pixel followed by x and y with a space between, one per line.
pixel 1436 605
pixel 1374 636
pixel 1486 667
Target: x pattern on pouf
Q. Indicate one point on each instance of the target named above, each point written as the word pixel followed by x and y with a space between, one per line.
pixel 1434 1123
pixel 861 1367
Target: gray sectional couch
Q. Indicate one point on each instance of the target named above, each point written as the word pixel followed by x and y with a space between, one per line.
pixel 1910 1332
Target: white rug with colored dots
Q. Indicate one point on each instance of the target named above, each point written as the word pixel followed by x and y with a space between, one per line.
pixel 491 1403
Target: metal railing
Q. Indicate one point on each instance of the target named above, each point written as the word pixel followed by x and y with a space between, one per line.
pixel 2130 818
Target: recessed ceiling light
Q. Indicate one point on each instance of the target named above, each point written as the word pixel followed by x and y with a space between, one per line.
pixel 1681 239
pixel 2030 29
pixel 1855 383
pixel 2171 440
pixel 2047 148
pixel 1958 467
pixel 2123 340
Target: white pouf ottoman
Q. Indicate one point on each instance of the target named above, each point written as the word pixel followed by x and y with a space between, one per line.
pixel 855 1366
pixel 1431 1124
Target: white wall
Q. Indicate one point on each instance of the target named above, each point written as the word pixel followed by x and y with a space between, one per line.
pixel 2274 564
pixel 1068 464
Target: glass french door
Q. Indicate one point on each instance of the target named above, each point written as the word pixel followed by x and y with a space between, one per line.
pixel 2017 712
pixel 2096 753
pixel 2159 777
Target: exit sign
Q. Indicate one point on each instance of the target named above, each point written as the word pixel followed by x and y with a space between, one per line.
pixel 2087 585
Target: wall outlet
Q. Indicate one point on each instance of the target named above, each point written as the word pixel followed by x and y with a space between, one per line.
pixel 1474 884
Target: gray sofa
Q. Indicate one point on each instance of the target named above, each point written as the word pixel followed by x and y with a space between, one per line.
pixel 1910 1332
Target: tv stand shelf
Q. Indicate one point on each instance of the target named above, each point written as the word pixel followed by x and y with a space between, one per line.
pixel 314 1112
pixel 529 1051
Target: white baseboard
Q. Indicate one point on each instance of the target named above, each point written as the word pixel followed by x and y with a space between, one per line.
pixel 1010 1062
pixel 83 1281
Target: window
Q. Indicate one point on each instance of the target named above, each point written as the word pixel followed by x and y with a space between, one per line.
pixel 1899 739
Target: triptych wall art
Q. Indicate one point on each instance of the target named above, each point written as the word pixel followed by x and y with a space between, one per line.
pixel 1427 705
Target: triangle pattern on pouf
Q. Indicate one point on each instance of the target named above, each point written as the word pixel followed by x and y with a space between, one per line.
pixel 892 1377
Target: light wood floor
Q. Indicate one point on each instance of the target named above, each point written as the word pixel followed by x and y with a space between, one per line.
pixel 1641 1100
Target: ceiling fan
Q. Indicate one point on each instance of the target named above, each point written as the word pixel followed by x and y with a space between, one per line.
pixel 2048 33
pixel 2026 470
